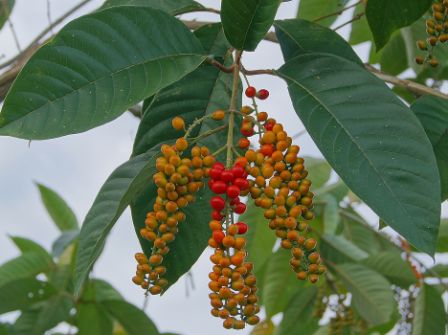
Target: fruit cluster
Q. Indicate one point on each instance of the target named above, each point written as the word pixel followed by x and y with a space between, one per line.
pixel 437 30
pixel 177 180
pixel 232 283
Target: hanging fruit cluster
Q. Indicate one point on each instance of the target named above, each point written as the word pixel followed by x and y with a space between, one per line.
pixel 273 175
pixel 437 30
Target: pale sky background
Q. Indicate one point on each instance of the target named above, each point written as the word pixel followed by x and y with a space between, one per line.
pixel 76 166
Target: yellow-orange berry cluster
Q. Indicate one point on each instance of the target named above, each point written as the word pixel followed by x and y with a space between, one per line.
pixel 232 283
pixel 280 187
pixel 437 30
pixel 177 181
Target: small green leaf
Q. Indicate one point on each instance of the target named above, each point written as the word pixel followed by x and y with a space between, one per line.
pixel 337 249
pixel 393 57
pixel 385 16
pixel 430 316
pixel 314 9
pixel 132 319
pixel 371 294
pixel 5 11
pixel 93 319
pixel 279 283
pixel 27 245
pixel 439 269
pixel 433 114
pixel 58 209
pixel 338 190
pixel 330 213
pixel 393 267
pixel 123 185
pixel 299 37
pixel 98 290
pixel 23 293
pixel 298 317
pixel 247 22
pixel 63 241
pixel 173 7
pixel 382 154
pixel 69 87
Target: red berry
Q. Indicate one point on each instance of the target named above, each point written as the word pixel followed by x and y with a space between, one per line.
pixel 238 171
pixel 247 132
pixel 267 149
pixel 219 166
pixel 233 191
pixel 227 176
pixel 262 94
pixel 241 183
pixel 219 235
pixel 244 143
pixel 240 208
pixel 242 227
pixel 217 203
pixel 215 173
pixel 251 92
pixel 210 183
pixel 269 126
pixel 234 201
pixel 219 187
pixel 216 215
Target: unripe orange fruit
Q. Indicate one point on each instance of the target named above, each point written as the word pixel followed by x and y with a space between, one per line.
pixel 181 144
pixel 218 115
pixel 178 123
pixel 244 143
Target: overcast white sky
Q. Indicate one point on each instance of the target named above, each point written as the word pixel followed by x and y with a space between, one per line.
pixel 76 166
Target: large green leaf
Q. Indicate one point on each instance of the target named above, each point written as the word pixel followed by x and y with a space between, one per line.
pixel 98 290
pixel 371 293
pixel 123 185
pixel 392 266
pixel 27 265
pixel 383 153
pixel 246 22
pixel 23 293
pixel 66 239
pixel 5 10
pixel 93 319
pixel 298 316
pixel 95 68
pixel 299 37
pixel 442 241
pixel 279 283
pixel 132 319
pixel 430 316
pixel 58 209
pixel 330 213
pixel 314 9
pixel 337 249
pixel 385 16
pixel 319 171
pixel 393 57
pixel 433 114
pixel 173 7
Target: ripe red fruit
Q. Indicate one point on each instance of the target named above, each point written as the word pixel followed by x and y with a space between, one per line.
pixel 234 201
pixel 240 208
pixel 244 143
pixel 242 183
pixel 219 187
pixel 238 171
pixel 215 173
pixel 251 92
pixel 233 191
pixel 218 235
pixel 269 126
pixel 267 149
pixel 219 166
pixel 247 132
pixel 242 227
pixel 216 215
pixel 262 94
pixel 217 203
pixel 227 176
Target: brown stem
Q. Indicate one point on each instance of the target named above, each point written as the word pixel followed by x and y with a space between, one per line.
pixel 337 13
pixel 355 18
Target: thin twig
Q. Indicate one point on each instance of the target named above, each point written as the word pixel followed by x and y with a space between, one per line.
pixel 49 17
pixel 36 40
pixel 355 18
pixel 223 68
pixel 256 72
pixel 11 25
pixel 337 13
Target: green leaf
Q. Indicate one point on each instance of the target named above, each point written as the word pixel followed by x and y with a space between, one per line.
pixel 393 267
pixel 213 39
pixel 92 319
pixel 433 114
pixel 84 85
pixel 319 171
pixel 382 154
pixel 440 269
pixel 371 293
pixel 330 213
pixel 247 22
pixel 27 245
pixel 23 293
pixel 58 209
pixel 393 57
pixel 279 283
pixel 386 16
pixel 98 290
pixel 5 11
pixel 63 241
pixel 298 316
pixel 173 7
pixel 337 249
pixel 338 190
pixel 132 319
pixel 300 37
pixel 266 327
pixel 123 185
pixel 442 241
pixel 313 9
pixel 430 315
pixel 27 265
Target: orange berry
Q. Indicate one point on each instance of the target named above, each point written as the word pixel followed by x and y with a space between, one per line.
pixel 244 143
pixel 218 115
pixel 262 116
pixel 181 144
pixel 178 123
